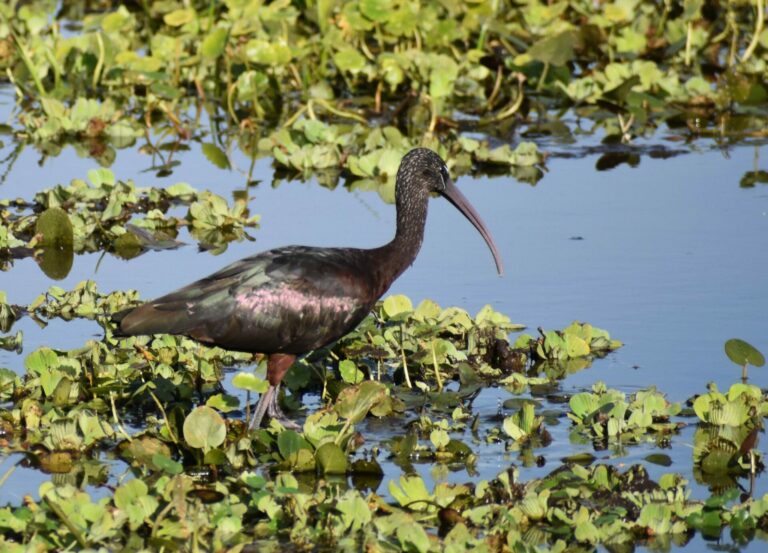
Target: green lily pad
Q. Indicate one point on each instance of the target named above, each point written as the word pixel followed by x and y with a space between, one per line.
pixel 743 353
pixel 250 382
pixel 55 228
pixel 397 305
pixel 143 450
pixel 349 371
pixel 660 459
pixel 204 428
pixel 331 459
pixel 355 401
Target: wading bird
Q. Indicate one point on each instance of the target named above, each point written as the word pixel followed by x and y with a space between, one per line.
pixel 289 301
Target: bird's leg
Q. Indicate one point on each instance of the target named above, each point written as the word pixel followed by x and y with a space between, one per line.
pixel 277 365
pixel 261 407
pixel 274 412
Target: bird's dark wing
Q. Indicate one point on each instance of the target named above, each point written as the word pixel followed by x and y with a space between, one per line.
pixel 289 300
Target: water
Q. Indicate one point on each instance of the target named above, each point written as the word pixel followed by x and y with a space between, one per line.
pixel 669 256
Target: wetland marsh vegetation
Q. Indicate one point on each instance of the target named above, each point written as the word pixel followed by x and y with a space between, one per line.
pixel 429 427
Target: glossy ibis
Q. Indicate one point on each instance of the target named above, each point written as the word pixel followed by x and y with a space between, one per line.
pixel 288 301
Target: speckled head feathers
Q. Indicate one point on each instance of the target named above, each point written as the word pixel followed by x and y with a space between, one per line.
pixel 422 168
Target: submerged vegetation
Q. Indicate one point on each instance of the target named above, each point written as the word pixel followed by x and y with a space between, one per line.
pixel 339 91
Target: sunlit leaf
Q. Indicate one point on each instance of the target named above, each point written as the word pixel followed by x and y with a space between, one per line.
pixel 213 44
pixel 55 228
pixel 250 382
pixel 397 305
pixel 204 428
pixel 349 371
pixel 375 10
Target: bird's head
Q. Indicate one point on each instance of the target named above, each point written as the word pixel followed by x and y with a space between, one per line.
pixel 422 171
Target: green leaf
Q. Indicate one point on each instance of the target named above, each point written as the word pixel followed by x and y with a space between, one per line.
pixel 512 429
pixel 223 402
pixel 743 353
pixel 355 402
pixel 656 517
pixel 213 45
pixel 349 372
pixel 413 537
pixel 250 382
pixel 439 438
pixel 442 78
pixel 216 155
pixel 354 510
pixel 133 498
pixel 375 10
pixel 349 59
pixel 204 428
pixel 101 176
pixel 179 17
pixel 397 305
pixel 427 309
pixel 181 190
pixel 575 346
pixel 583 404
pixel 55 227
pixel 331 459
pixel 555 50
pixel 41 360
pixel 214 456
pixel 265 52
pixel 167 464
pixel 290 442
pixel 660 459
pixel 143 449
pixel 692 9
pixel 586 531
pixel 411 493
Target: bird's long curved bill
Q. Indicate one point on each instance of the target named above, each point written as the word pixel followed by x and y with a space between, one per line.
pixel 462 204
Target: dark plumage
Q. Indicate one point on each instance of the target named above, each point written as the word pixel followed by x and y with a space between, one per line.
pixel 288 301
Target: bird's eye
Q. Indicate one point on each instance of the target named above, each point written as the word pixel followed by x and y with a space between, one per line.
pixel 445 176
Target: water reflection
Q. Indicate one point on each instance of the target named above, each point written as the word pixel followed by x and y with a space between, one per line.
pixel 55 261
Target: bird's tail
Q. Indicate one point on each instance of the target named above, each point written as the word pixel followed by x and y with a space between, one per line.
pixel 116 319
pixel 150 319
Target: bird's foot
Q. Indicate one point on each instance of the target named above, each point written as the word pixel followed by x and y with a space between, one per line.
pixel 274 412
pixel 268 405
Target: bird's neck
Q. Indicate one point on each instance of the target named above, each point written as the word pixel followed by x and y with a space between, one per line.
pixel 399 254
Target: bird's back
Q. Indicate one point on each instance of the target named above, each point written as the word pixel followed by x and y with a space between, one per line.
pixel 287 300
